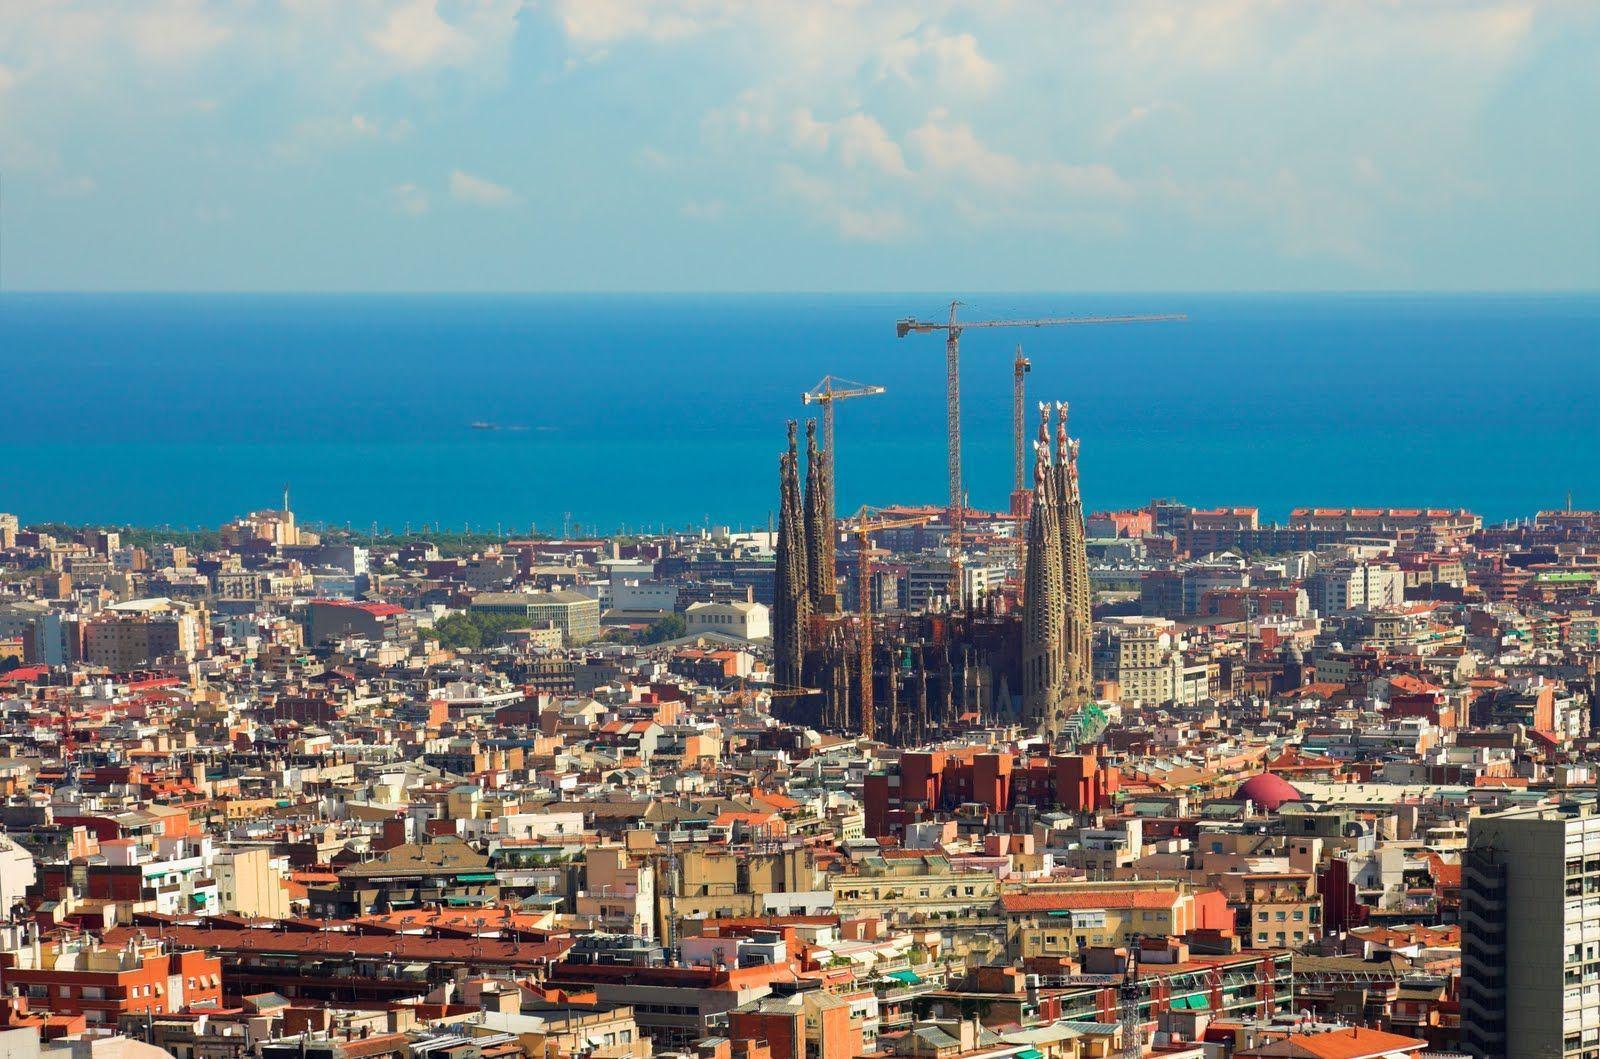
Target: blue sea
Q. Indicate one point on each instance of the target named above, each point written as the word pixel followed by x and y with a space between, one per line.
pixel 633 411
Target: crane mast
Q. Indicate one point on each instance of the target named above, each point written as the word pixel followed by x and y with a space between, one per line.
pixel 1019 425
pixel 952 329
pixel 1128 1004
pixel 1019 435
pixel 958 498
pixel 865 525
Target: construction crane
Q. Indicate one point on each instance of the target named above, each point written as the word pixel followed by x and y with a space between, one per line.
pixel 1019 436
pixel 1128 1004
pixel 785 691
pixel 1019 428
pixel 775 690
pixel 952 329
pixel 826 393
pixel 867 522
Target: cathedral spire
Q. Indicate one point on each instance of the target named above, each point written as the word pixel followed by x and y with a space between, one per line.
pixel 791 600
pixel 1043 602
pixel 1076 596
pixel 821 584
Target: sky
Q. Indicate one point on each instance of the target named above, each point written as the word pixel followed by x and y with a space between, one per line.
pixel 717 145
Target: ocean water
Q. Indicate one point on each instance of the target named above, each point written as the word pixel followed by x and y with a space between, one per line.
pixel 648 410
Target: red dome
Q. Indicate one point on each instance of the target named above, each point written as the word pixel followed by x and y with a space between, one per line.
pixel 1268 791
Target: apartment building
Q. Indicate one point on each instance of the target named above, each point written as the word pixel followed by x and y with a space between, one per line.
pixel 1064 921
pixel 1356 586
pixel 1530 938
pixel 1274 909
pixel 138 633
pixel 102 982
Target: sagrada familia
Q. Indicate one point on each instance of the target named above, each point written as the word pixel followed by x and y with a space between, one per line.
pixel 986 663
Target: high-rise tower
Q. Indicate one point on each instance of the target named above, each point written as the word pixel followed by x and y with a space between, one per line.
pixel 1528 876
pixel 791 598
pixel 1043 601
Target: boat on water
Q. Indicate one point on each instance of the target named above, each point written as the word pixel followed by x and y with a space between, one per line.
pixel 481 425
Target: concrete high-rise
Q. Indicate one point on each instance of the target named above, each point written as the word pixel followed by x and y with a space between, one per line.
pixel 1530 933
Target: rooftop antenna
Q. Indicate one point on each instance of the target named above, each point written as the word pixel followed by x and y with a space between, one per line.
pixel 286 496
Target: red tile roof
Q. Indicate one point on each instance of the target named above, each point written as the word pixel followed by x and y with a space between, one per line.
pixel 1353 1043
pixel 1083 900
pixel 320 943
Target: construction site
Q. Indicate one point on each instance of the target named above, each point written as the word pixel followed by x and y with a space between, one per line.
pixel 1012 655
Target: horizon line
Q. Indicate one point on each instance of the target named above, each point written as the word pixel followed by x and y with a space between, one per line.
pixel 1369 292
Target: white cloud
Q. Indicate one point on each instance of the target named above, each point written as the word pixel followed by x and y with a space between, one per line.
pixel 416 36
pixel 597 22
pixel 1139 115
pixel 854 220
pixel 657 160
pixel 952 61
pixel 320 132
pixel 408 199
pixel 175 31
pixel 706 210
pixel 1094 180
pixel 364 128
pixel 465 187
pixel 953 148
pixel 860 141
pixel 863 143
pixel 1294 123
pixel 807 132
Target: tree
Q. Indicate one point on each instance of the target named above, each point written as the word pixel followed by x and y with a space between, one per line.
pixel 458 632
pixel 668 628
pixel 472 630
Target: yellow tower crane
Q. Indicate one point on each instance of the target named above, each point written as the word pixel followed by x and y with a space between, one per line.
pixel 952 329
pixel 1019 428
pixel 827 393
pixel 1019 437
pixel 867 522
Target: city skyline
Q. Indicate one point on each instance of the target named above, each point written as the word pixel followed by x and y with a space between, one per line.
pixel 438 145
pixel 444 616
